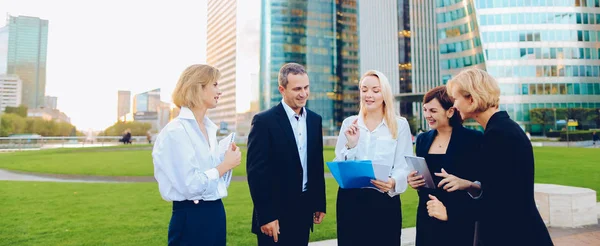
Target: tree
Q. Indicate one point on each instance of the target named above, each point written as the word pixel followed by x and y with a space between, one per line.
pixel 542 116
pixel 11 124
pixel 15 124
pixel 137 128
pixel 21 110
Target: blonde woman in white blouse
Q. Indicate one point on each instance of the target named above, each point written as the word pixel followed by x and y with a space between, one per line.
pixel 371 216
pixel 188 166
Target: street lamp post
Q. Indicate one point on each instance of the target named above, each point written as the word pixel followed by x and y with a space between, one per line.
pixel 555 125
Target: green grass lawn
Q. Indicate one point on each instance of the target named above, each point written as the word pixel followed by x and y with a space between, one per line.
pixel 46 213
pixel 106 161
pixel 568 166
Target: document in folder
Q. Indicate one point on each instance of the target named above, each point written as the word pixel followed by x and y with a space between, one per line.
pixel 358 174
pixel 224 145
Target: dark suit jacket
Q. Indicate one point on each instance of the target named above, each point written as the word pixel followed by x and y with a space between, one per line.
pixel 274 168
pixel 509 215
pixel 460 160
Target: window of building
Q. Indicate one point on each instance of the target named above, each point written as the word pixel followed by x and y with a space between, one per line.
pixel 468 61
pixel 532 89
pixel 570 88
pixel 584 89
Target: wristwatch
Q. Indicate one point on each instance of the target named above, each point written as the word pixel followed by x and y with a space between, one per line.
pixel 348 147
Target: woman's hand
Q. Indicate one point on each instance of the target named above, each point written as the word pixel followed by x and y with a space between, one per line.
pixel 352 134
pixel 436 209
pixel 233 157
pixel 452 183
pixel 384 186
pixel 415 181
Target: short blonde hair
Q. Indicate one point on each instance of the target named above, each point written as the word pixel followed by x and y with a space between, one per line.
pixel 191 81
pixel 478 85
pixel 389 111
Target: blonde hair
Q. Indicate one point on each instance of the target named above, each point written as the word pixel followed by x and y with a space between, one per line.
pixel 389 112
pixel 191 81
pixel 478 85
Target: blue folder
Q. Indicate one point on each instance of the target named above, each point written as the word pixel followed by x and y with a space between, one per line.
pixel 352 174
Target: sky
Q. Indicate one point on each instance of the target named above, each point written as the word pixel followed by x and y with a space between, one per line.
pixel 96 48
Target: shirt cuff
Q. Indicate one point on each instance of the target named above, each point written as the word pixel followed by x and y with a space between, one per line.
pixel 480 191
pixel 399 189
pixel 212 174
pixel 349 154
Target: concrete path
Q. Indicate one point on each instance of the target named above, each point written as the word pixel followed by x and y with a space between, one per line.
pixel 27 176
pixel 584 236
pixel 14 176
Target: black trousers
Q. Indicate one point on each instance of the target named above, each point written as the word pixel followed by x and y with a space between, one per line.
pixel 368 217
pixel 198 224
pixel 294 225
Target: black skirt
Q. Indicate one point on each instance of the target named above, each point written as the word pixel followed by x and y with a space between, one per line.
pixel 198 224
pixel 368 217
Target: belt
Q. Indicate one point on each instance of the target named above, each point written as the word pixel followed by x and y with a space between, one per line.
pixel 191 203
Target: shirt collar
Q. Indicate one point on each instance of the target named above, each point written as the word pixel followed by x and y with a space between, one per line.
pixel 361 123
pixel 290 112
pixel 187 114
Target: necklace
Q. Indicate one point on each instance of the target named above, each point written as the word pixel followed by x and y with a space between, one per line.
pixel 443 143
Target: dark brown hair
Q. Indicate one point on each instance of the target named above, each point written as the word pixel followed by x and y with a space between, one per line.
pixel 289 68
pixel 440 93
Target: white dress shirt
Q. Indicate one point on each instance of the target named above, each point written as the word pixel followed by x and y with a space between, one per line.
pixel 185 161
pixel 298 123
pixel 379 146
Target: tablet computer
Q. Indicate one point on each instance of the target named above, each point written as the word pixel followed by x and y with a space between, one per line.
pixel 418 164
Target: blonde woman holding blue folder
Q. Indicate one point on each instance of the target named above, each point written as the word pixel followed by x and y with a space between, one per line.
pixel 371 216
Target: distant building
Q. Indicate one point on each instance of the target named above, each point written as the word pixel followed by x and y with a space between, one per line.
pixel 48 114
pixel 10 91
pixel 123 104
pixel 51 102
pixel 27 48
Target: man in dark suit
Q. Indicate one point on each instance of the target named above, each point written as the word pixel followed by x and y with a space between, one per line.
pixel 285 165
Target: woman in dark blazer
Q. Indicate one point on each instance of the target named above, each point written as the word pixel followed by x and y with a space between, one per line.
pixel 508 214
pixel 448 147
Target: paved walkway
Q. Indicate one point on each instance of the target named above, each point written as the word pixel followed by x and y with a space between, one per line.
pixel 26 176
pixel 585 236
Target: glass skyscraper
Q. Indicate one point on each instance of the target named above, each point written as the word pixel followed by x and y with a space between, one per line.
pixel 322 36
pixel 3 49
pixel 543 53
pixel 27 48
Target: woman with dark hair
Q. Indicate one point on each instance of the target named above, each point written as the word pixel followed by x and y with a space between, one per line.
pixel 445 217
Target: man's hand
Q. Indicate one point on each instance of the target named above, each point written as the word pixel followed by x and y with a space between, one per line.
pixel 452 183
pixel 436 209
pixel 384 186
pixel 271 229
pixel 318 217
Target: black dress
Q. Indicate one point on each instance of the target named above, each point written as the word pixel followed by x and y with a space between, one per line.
pixel 431 231
pixel 460 160
pixel 368 217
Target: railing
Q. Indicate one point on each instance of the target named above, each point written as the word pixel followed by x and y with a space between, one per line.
pixel 36 142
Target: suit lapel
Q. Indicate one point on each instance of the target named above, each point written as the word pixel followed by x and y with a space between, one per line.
pixel 455 139
pixel 311 128
pixel 427 142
